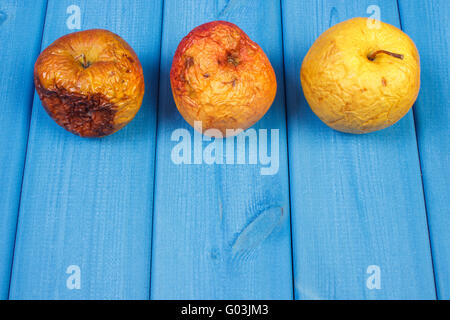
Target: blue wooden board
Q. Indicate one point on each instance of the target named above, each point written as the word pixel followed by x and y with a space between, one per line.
pixel 356 200
pixel 339 209
pixel 220 231
pixel 19 49
pixel 88 202
pixel 432 116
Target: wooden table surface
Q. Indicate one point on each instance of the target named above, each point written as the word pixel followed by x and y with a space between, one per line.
pixel 346 216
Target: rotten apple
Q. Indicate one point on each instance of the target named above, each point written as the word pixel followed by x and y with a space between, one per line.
pixel 221 78
pixel 90 82
pixel 361 76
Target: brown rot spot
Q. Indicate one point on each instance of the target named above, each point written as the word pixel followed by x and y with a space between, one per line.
pixel 383 82
pixel 232 82
pixel 128 57
pixel 189 62
pixel 84 115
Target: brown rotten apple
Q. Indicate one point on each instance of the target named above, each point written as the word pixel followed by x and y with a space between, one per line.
pixel 90 82
pixel 221 78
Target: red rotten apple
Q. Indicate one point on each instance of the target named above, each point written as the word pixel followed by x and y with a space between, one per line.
pixel 221 78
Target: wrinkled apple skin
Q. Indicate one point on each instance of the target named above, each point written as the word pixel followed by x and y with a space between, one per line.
pixel 222 78
pixel 351 93
pixel 90 82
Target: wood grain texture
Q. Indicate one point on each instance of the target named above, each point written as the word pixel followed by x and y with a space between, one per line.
pixel 88 202
pixel 356 200
pixel 432 117
pixel 21 25
pixel 220 231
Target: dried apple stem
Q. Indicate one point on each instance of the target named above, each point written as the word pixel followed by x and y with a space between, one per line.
pixel 372 55
pixel 84 62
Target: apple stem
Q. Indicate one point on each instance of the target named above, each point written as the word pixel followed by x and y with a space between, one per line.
pixel 372 55
pixel 84 63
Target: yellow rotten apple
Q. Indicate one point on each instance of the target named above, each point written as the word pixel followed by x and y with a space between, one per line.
pixel 360 77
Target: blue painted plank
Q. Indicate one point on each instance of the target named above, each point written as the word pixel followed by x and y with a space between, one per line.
pixel 220 231
pixel 427 24
pixel 357 201
pixel 87 203
pixel 21 25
